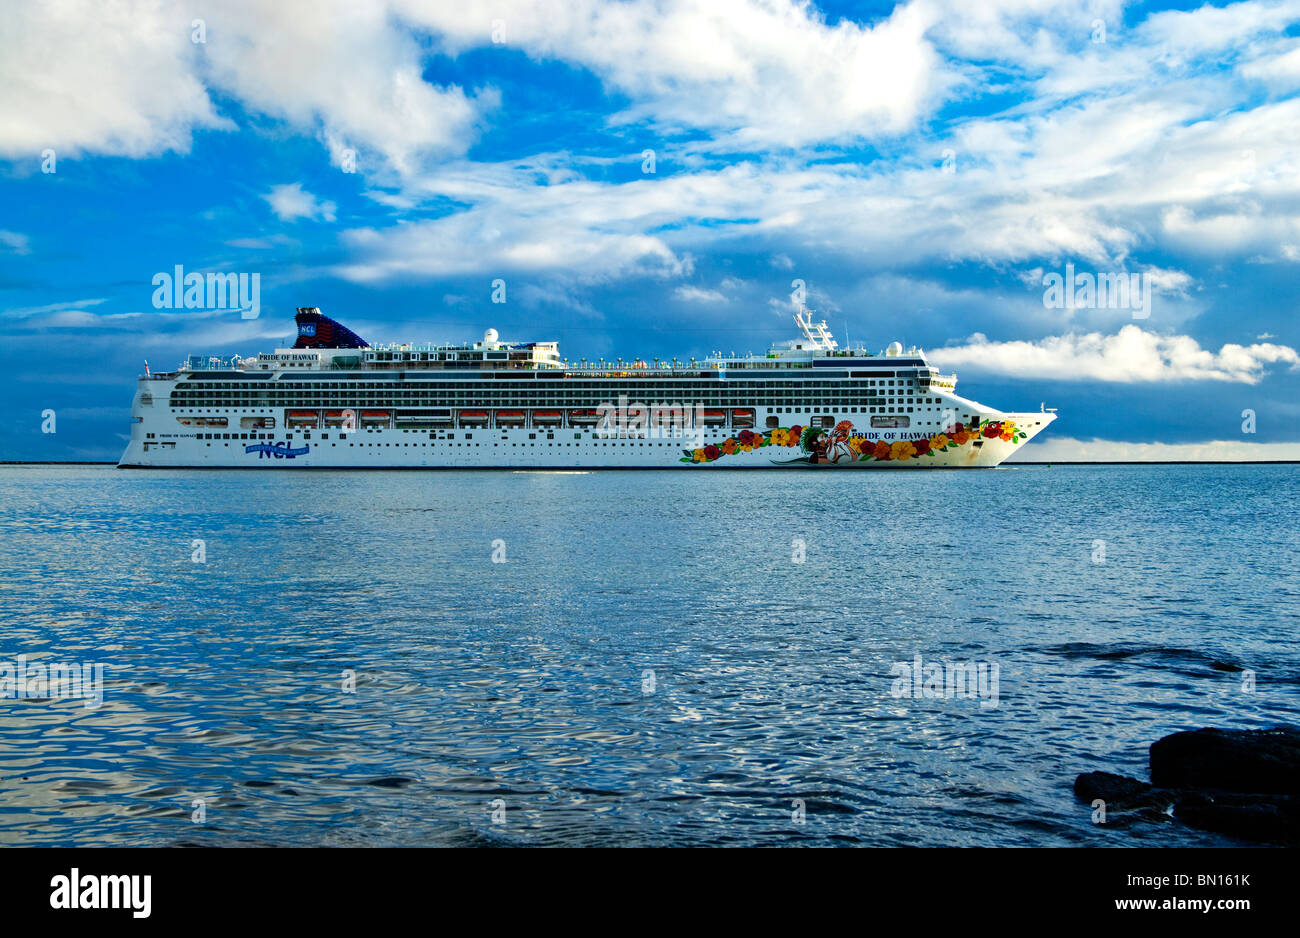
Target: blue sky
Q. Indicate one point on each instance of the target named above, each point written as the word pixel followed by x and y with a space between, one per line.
pixel 922 167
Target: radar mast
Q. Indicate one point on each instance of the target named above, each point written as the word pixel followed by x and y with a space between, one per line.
pixel 817 334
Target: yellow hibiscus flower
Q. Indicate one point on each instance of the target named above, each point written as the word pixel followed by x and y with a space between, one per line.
pixel 902 449
pixel 939 441
pixel 698 455
pixel 778 436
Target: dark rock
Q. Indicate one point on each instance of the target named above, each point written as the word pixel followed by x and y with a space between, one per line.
pixel 1110 788
pixel 1124 796
pixel 1269 820
pixel 1252 761
pixel 1242 783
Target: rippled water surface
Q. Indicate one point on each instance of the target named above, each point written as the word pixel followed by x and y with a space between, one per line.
pixel 526 683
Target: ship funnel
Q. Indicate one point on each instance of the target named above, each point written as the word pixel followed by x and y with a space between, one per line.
pixel 316 330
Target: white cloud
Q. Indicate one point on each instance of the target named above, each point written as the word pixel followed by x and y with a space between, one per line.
pixel 467 244
pixel 557 295
pixel 15 242
pixel 578 228
pixel 1132 355
pixel 28 311
pixel 1211 30
pixel 264 244
pixel 690 294
pixel 1098 181
pixel 290 202
pixel 1281 70
pixel 352 70
pixel 127 78
pixel 1141 143
pixel 1067 449
pixel 116 78
pixel 760 71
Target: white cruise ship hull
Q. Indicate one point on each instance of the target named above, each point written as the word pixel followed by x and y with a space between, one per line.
pixel 172 446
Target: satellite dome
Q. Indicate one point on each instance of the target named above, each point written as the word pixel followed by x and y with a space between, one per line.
pixel 895 348
pixel 490 337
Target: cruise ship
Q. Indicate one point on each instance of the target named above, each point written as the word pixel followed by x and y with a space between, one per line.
pixel 335 401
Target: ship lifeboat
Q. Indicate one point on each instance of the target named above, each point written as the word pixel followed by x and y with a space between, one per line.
pixel 303 418
pixel 547 418
pixel 584 418
pixel 509 418
pixel 473 418
pixel 337 418
pixel 742 418
pixel 374 415
pixel 715 418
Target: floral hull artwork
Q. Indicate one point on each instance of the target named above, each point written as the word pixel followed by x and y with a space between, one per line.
pixel 799 445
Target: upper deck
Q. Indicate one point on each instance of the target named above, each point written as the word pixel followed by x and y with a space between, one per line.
pixel 314 352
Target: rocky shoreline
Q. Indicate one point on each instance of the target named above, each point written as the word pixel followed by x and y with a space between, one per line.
pixel 1241 783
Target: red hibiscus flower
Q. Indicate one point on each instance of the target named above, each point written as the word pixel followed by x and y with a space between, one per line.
pixel 993 430
pixel 922 446
pixel 746 437
pixel 712 452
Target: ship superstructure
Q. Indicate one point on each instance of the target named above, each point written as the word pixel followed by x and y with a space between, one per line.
pixel 335 401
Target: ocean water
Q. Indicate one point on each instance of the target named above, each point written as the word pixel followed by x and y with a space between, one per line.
pixel 663 658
